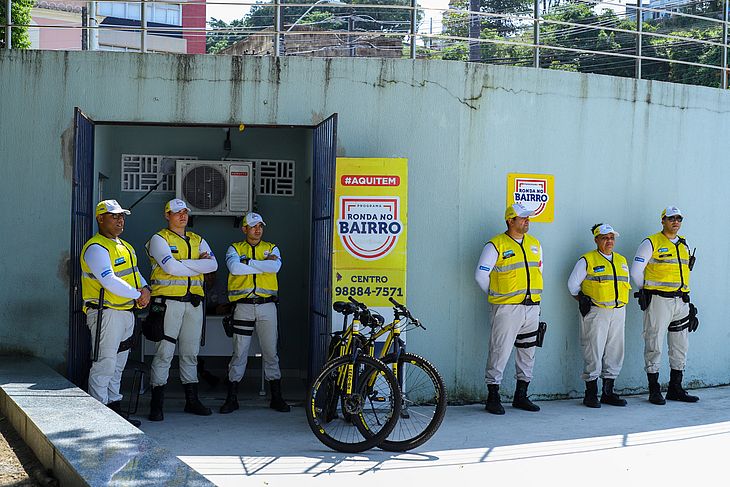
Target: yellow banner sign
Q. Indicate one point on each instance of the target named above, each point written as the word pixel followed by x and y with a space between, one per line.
pixel 535 191
pixel 371 217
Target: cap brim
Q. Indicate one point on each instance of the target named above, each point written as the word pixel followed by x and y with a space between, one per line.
pixel 525 214
pixel 126 212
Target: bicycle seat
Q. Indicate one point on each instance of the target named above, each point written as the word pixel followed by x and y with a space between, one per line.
pixel 344 307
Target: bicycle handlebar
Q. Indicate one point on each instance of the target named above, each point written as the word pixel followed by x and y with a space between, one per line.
pixel 358 303
pixel 400 308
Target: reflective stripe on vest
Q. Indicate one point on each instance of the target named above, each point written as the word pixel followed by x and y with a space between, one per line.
pixel 607 281
pixel 164 284
pixel 123 262
pixel 261 285
pixel 516 269
pixel 668 268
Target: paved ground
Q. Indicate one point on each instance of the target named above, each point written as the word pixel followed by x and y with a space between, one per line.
pixel 565 443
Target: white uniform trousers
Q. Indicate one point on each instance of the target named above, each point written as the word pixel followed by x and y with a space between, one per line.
pixel 183 322
pixel 602 341
pixel 265 328
pixel 508 321
pixel 658 315
pixel 105 375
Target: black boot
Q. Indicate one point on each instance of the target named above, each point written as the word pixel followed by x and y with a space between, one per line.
pixel 277 402
pixel 591 397
pixel 655 390
pixel 192 403
pixel 158 398
pixel 494 404
pixel 675 391
pixel 231 403
pixel 521 400
pixel 608 396
pixel 116 406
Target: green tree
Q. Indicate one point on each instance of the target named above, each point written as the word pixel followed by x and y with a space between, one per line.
pixel 370 18
pixel 457 23
pixel 20 11
pixel 588 39
pixel 224 35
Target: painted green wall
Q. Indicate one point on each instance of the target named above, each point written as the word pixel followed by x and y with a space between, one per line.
pixel 619 149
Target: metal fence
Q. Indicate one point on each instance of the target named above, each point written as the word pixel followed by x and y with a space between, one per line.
pixel 683 42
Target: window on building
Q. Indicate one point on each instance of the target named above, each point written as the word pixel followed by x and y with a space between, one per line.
pixel 162 13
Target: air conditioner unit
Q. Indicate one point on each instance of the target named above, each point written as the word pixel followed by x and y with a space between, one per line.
pixel 217 188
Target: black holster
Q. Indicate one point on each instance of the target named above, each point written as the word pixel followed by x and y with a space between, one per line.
pixel 689 322
pixel 131 342
pixel 228 325
pixel 539 335
pixel 584 304
pixel 644 298
pixel 153 326
pixel 694 322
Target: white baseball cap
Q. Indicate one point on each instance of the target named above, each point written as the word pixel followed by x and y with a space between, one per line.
pixel 671 211
pixel 176 205
pixel 251 219
pixel 604 229
pixel 110 206
pixel 517 209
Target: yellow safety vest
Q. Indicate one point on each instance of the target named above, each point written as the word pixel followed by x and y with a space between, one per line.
pixel 123 262
pixel 607 281
pixel 668 268
pixel 517 269
pixel 253 285
pixel 164 284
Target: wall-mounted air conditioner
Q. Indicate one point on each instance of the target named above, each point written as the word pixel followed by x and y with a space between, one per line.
pixel 215 187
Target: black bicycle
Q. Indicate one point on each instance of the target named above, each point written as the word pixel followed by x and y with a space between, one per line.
pixel 423 393
pixel 355 401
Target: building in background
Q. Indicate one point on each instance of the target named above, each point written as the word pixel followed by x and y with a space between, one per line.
pixel 303 40
pixel 172 26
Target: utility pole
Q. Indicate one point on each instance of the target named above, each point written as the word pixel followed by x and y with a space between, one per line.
pixel 475 23
pixel 8 24
pixel 639 29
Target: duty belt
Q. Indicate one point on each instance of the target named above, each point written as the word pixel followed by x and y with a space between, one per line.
pixel 188 298
pixel 257 300
pixel 529 302
pixel 91 305
pixel 670 294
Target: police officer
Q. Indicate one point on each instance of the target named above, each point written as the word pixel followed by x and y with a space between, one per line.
pixel 510 273
pixel 111 285
pixel 179 258
pixel 661 269
pixel 600 283
pixel 253 288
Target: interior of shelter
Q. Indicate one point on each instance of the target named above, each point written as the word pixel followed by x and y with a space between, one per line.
pixel 125 159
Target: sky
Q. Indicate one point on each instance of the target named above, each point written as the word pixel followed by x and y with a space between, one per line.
pixel 227 10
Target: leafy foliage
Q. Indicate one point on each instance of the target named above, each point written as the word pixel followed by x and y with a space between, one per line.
pixel 598 47
pixel 20 11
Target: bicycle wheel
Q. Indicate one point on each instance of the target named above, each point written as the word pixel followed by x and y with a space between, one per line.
pixel 355 422
pixel 423 402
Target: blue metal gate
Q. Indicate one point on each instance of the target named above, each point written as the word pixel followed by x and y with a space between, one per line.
pixel 323 186
pixel 82 221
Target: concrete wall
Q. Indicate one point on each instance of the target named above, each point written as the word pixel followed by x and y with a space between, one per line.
pixel 620 150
